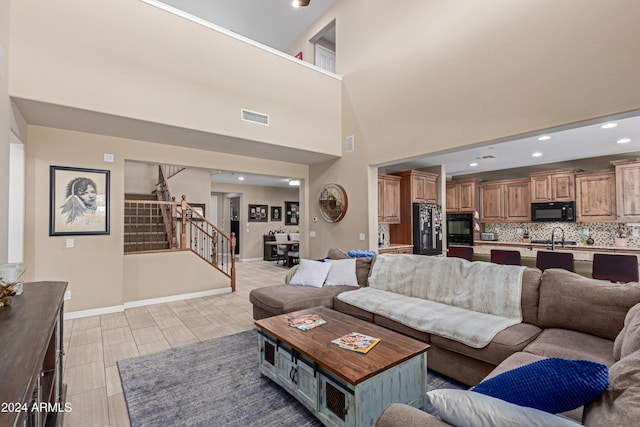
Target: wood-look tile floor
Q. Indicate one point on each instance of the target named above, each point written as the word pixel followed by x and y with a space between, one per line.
pixel 93 345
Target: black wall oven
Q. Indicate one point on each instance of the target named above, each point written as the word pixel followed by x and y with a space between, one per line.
pixel 460 229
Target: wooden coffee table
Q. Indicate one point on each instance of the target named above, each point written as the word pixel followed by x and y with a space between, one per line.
pixel 342 387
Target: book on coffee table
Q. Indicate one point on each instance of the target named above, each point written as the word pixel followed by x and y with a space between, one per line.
pixel 306 321
pixel 356 341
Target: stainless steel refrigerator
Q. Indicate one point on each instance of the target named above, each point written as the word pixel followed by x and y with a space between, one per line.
pixel 427 229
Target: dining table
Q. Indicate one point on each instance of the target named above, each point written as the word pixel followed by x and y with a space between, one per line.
pixel 289 244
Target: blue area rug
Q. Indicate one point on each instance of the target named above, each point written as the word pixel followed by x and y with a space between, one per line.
pixel 214 383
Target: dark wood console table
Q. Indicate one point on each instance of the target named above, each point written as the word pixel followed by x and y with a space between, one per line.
pixel 32 392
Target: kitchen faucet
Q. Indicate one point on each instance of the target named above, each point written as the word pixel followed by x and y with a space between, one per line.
pixel 553 237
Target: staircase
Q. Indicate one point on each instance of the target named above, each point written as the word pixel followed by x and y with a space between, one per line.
pixel 144 228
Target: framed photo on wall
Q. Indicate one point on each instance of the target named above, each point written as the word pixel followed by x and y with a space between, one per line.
pixel 276 213
pixel 291 213
pixel 78 201
pixel 258 213
pixel 198 207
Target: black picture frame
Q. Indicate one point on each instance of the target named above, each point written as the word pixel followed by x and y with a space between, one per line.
pixel 291 213
pixel 198 207
pixel 276 213
pixel 78 201
pixel 258 213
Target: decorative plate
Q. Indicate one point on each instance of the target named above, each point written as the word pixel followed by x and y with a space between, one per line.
pixel 333 202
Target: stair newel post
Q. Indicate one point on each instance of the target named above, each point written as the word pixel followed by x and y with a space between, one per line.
pixel 183 237
pixel 174 215
pixel 233 262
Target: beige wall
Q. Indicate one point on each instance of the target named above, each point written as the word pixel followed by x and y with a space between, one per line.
pixel 195 183
pixel 251 241
pixel 130 59
pixel 159 275
pixel 421 76
pixel 95 267
pixel 5 120
pixel 140 178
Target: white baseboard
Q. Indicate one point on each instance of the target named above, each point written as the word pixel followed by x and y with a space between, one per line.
pixel 142 303
pixel 93 312
pixel 250 259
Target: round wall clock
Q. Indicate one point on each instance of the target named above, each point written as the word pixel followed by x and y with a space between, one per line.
pixel 333 202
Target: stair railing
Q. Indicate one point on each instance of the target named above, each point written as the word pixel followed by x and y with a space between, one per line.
pixel 163 193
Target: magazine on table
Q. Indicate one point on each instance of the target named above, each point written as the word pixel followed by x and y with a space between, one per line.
pixel 306 321
pixel 356 341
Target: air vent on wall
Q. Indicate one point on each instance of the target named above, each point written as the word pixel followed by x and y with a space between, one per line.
pixel 254 117
pixel 350 146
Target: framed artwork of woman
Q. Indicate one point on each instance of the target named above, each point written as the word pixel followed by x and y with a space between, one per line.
pixel 78 201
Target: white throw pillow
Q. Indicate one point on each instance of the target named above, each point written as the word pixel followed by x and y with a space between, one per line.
pixel 342 273
pixel 311 273
pixel 468 408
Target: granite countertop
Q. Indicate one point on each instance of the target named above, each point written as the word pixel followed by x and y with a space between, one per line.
pixel 581 252
pixel 395 246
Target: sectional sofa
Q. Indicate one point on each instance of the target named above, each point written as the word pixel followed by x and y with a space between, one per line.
pixel 563 314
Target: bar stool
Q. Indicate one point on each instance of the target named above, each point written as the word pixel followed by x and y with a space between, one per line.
pixel 500 256
pixel 615 267
pixel 464 252
pixel 546 259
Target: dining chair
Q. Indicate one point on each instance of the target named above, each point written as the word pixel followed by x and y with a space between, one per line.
pixel 615 267
pixel 294 251
pixel 465 252
pixel 281 249
pixel 506 257
pixel 550 259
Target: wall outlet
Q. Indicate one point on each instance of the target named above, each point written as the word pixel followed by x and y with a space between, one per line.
pixel 312 234
pixel 71 243
pixel 362 236
pixel 67 295
pixel 519 231
pixel 635 232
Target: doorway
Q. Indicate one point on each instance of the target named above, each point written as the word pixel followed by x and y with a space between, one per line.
pixel 324 44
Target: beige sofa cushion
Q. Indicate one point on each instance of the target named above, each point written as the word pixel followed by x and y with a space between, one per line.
pixel 568 344
pixel 620 404
pixel 597 307
pixel 628 340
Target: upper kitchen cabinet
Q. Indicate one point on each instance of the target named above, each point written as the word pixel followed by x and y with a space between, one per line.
pixel 596 196
pixel 628 189
pixel 462 196
pixel 388 199
pixel 419 187
pixel 553 186
pixel 505 201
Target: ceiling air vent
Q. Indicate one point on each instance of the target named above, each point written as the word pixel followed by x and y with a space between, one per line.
pixel 254 117
pixel 490 156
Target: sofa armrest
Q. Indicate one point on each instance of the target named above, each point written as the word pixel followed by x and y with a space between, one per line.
pixel 401 415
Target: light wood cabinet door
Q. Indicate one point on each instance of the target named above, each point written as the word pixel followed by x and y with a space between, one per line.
pixel 628 189
pixel 452 198
pixel 596 196
pixel 553 186
pixel 517 201
pixel 491 202
pixel 424 187
pixel 388 199
pixel 467 196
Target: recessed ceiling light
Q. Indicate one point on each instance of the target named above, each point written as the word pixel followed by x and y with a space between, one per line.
pixel 295 3
pixel 608 125
pixel 536 154
pixel 241 178
pixel 473 165
pixel 623 140
pixel 544 138
pixel 294 182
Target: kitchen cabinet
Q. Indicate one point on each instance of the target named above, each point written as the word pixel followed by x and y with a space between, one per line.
pixel 596 196
pixel 388 199
pixel 505 201
pixel 462 196
pixel 553 186
pixel 627 189
pixel 415 187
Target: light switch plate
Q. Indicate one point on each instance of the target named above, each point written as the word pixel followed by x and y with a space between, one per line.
pixel 108 157
pixel 71 243
pixel 362 236
pixel 312 234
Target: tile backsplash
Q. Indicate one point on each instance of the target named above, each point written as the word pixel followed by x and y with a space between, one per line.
pixel 601 233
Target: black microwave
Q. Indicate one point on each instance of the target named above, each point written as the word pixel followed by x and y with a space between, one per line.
pixel 553 212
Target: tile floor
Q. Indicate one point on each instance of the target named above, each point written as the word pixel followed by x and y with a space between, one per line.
pixel 93 345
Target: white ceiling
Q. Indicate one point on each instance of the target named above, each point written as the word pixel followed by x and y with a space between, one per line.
pixel 230 177
pixel 275 23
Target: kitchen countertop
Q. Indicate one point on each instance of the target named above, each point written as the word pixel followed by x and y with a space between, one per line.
pixel 581 252
pixel 396 246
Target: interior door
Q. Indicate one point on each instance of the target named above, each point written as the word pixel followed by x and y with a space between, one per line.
pixel 325 58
